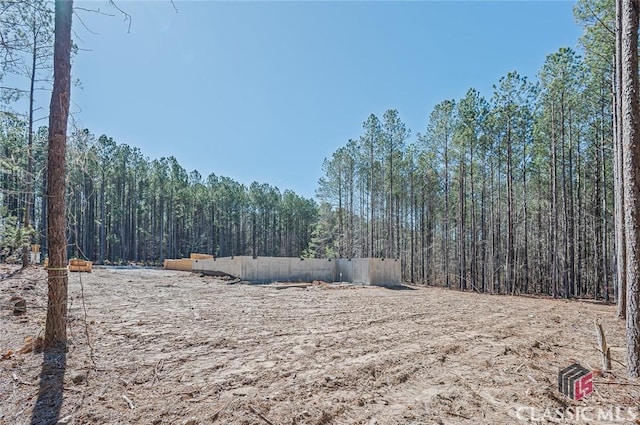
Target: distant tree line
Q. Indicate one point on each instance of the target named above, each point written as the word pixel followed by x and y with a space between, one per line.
pixel 511 193
pixel 124 207
pixel 507 194
pixel 121 206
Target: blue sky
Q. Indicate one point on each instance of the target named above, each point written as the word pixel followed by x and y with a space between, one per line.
pixel 264 91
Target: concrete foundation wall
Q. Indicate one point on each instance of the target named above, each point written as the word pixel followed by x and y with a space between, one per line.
pixel 384 272
pixel 229 265
pixel 370 271
pixel 365 271
pixel 355 270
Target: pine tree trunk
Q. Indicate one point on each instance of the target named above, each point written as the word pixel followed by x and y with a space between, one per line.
pixel 571 250
pixel 525 227
pixel 510 263
pixel 631 158
pixel 446 212
pixel 554 211
pixel 483 226
pixel 474 225
pixel 29 188
pixel 56 327
pixel 462 272
pixel 618 170
pixel 603 209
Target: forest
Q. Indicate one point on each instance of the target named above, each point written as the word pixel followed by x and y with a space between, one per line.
pixel 505 192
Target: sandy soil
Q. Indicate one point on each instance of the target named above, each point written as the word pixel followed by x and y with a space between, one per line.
pixel 164 347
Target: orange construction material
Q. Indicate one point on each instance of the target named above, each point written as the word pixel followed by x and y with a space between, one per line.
pixel 195 256
pixel 80 266
pixel 183 264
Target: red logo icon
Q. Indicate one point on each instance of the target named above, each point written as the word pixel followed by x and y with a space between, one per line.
pixel 575 381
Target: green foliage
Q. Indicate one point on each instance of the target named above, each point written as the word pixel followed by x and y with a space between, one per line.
pixel 597 17
pixel 324 237
pixel 26 31
pixel 13 237
pixel 475 190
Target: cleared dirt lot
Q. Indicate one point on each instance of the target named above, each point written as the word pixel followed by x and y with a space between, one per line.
pixel 169 347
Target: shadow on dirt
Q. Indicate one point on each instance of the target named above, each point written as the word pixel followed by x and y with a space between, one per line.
pixel 49 402
pixel 400 288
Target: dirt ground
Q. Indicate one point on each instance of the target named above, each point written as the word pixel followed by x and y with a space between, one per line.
pixel 165 347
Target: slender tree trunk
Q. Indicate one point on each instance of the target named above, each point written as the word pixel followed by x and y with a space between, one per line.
pixel 56 326
pixel 618 170
pixel 565 208
pixel 474 225
pixel 495 230
pixel 423 231
pixel 462 284
pixel 599 224
pixel 525 228
pixel 340 210
pixel 372 217
pixel 510 263
pixel 554 210
pixel 603 208
pixel 352 211
pixel 483 227
pixel 103 218
pixel 446 212
pixel 412 212
pixel 571 250
pixel 631 175
pixel 539 268
pixel 29 188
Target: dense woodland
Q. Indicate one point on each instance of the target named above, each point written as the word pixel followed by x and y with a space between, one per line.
pixel 508 192
pixel 124 207
pixel 511 193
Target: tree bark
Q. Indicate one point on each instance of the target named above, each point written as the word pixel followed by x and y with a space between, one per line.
pixel 631 162
pixel 510 263
pixel 446 211
pixel 56 327
pixel 462 272
pixel 618 172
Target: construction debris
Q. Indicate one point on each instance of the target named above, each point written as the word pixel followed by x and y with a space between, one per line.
pixel 31 345
pixel 195 256
pixel 76 265
pixel 185 264
pixel 182 264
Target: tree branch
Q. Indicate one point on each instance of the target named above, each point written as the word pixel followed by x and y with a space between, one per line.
pixel 604 25
pixel 96 11
pixel 127 17
pixel 83 24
